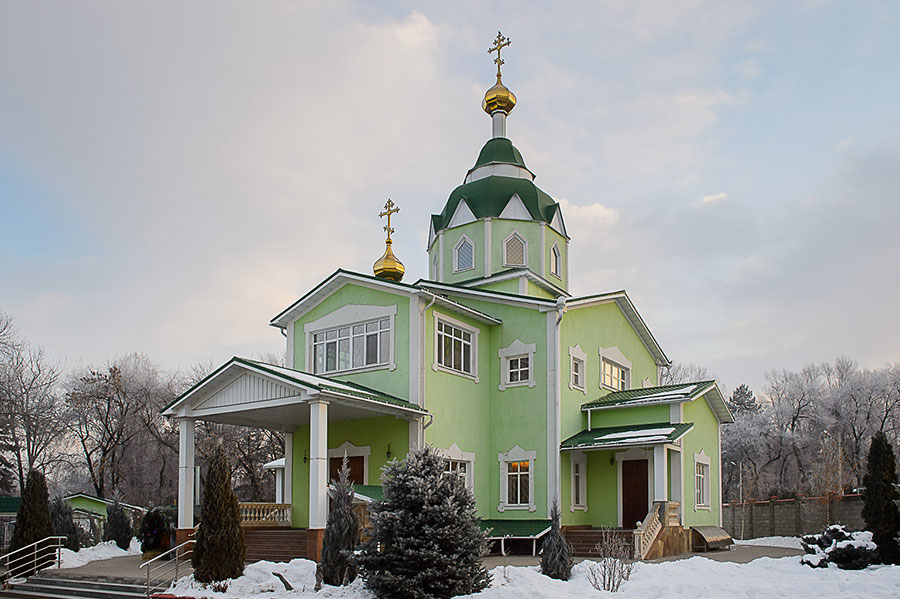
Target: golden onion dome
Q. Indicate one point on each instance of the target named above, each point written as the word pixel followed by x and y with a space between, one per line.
pixel 498 97
pixel 388 266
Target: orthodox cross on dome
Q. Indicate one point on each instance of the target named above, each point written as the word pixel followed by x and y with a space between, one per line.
pixel 500 42
pixel 389 209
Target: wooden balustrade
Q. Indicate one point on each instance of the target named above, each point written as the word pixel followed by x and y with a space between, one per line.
pixel 265 514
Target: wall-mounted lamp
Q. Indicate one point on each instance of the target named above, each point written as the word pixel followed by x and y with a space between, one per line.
pixel 389 454
pixel 305 456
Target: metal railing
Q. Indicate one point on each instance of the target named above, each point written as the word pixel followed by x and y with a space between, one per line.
pixel 265 514
pixel 32 558
pixel 163 574
pixel 646 533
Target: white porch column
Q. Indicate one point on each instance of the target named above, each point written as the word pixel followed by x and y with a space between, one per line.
pixel 676 459
pixel 279 485
pixel 186 473
pixel 287 480
pixel 660 473
pixel 318 463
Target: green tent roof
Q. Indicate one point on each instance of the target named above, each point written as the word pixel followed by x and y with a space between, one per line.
pixel 488 197
pixel 499 150
pixel 520 529
pixel 614 437
pixel 10 505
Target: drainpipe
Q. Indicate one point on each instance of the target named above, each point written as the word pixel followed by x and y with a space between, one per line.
pixel 421 374
pixel 560 310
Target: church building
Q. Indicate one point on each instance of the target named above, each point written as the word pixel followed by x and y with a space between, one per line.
pixel 532 396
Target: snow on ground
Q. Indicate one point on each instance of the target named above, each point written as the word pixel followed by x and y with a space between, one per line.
pixel 696 577
pixel 786 542
pixel 107 550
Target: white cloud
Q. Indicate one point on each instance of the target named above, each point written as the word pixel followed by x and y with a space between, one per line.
pixel 587 217
pixel 844 144
pixel 715 198
pixel 748 69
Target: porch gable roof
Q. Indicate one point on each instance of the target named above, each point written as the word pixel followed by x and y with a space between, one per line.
pixel 664 394
pixel 615 437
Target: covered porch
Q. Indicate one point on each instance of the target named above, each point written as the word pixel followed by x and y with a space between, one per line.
pixel 304 408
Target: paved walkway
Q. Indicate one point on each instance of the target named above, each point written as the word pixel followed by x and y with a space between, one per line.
pixel 118 569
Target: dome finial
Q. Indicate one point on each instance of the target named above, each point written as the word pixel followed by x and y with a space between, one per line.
pixel 388 266
pixel 499 100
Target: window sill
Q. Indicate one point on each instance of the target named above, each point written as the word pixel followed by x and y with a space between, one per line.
pixel 578 508
pixel 514 385
pixel 516 507
pixel 556 276
pixel 576 388
pixel 458 270
pixel 391 366
pixel 608 388
pixel 703 508
pixel 459 373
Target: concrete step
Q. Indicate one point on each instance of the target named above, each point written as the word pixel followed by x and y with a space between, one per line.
pixel 44 587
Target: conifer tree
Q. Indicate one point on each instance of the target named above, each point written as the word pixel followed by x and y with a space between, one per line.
pixel 63 524
pixel 341 532
pixel 426 536
pixel 556 555
pixel 879 507
pixel 219 549
pixel 118 526
pixel 33 518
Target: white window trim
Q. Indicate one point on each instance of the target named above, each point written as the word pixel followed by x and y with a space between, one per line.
pixel 456 454
pixel 578 457
pixel 456 267
pixel 438 316
pixel 554 252
pixel 524 252
pixel 347 316
pixel 353 451
pixel 516 454
pixel 576 353
pixel 515 350
pixel 702 458
pixel 612 354
pixel 635 453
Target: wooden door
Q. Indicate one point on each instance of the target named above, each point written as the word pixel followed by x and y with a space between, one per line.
pixel 634 492
pixel 356 464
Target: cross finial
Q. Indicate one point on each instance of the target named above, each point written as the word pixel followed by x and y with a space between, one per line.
pixel 389 209
pixel 500 42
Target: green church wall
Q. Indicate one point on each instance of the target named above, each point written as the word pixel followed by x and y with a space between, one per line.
pixel 501 228
pixel 703 436
pixel 508 286
pixel 475 232
pixel 535 290
pixel 394 382
pixel 551 237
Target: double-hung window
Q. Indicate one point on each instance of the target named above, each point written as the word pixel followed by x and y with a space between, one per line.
pixel 456 468
pixel 614 376
pixel 454 349
pixel 517 480
pixel 701 480
pixel 359 345
pixel 517 490
pixel 577 373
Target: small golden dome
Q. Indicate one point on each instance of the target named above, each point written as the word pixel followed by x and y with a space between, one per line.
pixel 498 97
pixel 388 266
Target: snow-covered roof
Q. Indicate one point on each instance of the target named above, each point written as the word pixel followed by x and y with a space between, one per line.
pixel 664 394
pixel 615 437
pixel 274 464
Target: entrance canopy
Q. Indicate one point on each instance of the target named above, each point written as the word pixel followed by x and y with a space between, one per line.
pixel 619 437
pixel 250 393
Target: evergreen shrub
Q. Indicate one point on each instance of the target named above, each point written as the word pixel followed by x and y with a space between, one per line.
pixel 219 550
pixel 156 528
pixel 556 555
pixel 426 536
pixel 341 533
pixel 63 523
pixel 847 550
pixel 32 520
pixel 118 526
pixel 880 499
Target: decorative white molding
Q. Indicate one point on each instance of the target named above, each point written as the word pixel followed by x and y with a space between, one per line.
pixel 456 266
pixel 516 454
pixel 439 316
pixel 704 460
pixel 431 235
pixel 556 261
pixel 580 458
pixel 614 355
pixel 635 453
pixel 576 353
pixel 557 223
pixel 247 388
pixel 458 455
pixel 515 209
pixel 514 350
pixel 524 242
pixel 676 413
pixel 462 215
pixel 353 451
pixel 350 314
pixel 503 170
pixel 488 270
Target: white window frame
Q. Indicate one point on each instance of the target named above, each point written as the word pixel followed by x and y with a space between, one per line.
pixel 440 317
pixel 353 451
pixel 702 461
pixel 556 261
pixel 349 316
pixel 517 349
pixel 456 267
pixel 617 358
pixel 516 454
pixel 578 460
pixel 455 454
pixel 576 354
pixel 524 250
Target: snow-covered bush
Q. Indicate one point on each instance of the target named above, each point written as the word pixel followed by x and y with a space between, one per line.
pixel 426 536
pixel 847 550
pixel 556 552
pixel 614 565
pixel 341 532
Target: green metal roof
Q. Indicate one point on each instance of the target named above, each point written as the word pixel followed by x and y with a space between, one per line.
pixel 10 505
pixel 499 150
pixel 612 437
pixel 521 529
pixel 373 492
pixel 661 394
pixel 488 197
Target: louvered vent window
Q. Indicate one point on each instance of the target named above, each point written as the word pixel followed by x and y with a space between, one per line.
pixel 515 251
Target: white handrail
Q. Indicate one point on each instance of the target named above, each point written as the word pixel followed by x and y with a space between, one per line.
pixel 37 556
pixel 178 555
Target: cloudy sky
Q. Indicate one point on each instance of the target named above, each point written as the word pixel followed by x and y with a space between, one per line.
pixel 174 174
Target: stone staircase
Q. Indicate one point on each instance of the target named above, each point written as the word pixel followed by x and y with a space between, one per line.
pixel 584 538
pixel 274 544
pixel 58 587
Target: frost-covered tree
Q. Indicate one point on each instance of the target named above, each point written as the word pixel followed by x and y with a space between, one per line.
pixel 426 536
pixel 879 507
pixel 341 532
pixel 556 553
pixel 742 401
pixel 63 523
pixel 219 550
pixel 118 526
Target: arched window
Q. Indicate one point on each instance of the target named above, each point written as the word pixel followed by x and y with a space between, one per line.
pixel 515 250
pixel 556 261
pixel 464 255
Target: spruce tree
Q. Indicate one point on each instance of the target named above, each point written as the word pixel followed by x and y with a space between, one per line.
pixel 219 549
pixel 118 526
pixel 879 507
pixel 426 536
pixel 33 518
pixel 341 532
pixel 63 524
pixel 556 555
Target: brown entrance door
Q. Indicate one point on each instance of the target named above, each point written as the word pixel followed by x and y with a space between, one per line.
pixel 356 469
pixel 634 492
